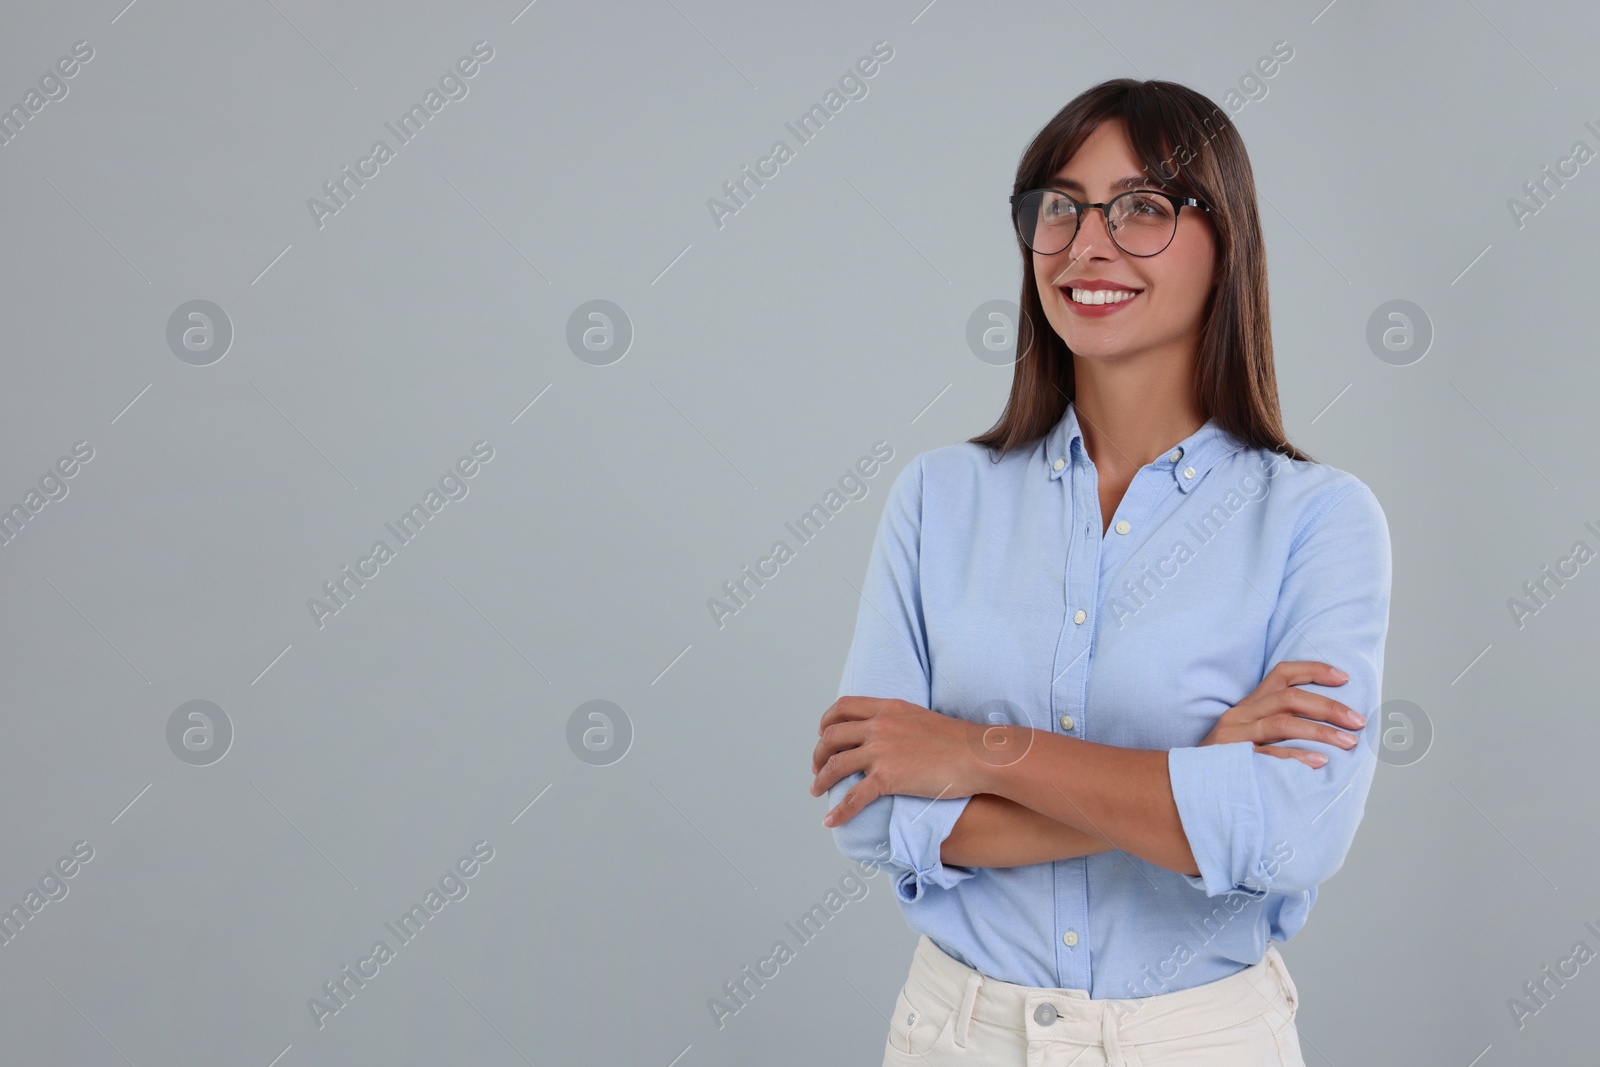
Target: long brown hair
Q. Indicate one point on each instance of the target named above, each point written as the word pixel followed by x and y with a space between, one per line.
pixel 1187 144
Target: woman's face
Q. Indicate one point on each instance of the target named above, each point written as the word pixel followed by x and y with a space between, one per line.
pixel 1173 284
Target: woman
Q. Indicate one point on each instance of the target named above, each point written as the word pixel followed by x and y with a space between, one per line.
pixel 1115 660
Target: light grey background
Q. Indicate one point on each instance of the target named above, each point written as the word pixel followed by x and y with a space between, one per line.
pixel 768 355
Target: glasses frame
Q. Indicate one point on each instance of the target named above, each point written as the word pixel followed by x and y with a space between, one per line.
pixel 1081 209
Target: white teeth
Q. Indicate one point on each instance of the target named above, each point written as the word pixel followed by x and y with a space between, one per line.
pixel 1101 296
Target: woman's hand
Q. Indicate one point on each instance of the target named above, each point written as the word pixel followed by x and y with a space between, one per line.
pixel 1276 711
pixel 901 748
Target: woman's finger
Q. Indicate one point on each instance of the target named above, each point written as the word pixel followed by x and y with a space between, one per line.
pixel 1309 705
pixel 1300 671
pixel 837 738
pixel 1287 725
pixel 1292 725
pixel 847 709
pixel 1280 693
pixel 839 765
pixel 1295 701
pixel 1292 672
pixel 863 793
pixel 1310 759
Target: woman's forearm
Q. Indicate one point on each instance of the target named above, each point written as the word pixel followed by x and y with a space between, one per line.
pixel 1122 795
pixel 996 832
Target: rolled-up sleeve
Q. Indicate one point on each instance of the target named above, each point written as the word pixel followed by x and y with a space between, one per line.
pixel 889 659
pixel 1258 822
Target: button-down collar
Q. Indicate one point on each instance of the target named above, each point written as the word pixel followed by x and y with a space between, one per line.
pixel 1186 462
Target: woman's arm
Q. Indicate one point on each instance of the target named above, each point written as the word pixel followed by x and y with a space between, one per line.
pixel 986 829
pixel 995 832
pixel 1333 601
pixel 1123 794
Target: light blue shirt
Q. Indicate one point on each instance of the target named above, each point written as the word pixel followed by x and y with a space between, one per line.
pixel 992 595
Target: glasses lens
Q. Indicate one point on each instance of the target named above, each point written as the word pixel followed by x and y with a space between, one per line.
pixel 1141 223
pixel 1046 221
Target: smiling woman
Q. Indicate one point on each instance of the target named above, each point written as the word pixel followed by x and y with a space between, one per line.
pixel 1102 822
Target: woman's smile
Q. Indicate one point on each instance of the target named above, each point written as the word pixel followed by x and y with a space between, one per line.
pixel 1098 303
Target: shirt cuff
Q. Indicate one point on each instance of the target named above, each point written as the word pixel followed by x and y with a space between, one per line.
pixel 1220 809
pixel 917 828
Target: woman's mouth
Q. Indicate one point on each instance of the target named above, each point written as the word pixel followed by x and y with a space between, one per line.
pixel 1098 302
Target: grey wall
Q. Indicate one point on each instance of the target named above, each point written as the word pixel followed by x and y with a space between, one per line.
pixel 743 366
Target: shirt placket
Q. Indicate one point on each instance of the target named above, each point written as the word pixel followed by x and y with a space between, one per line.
pixel 1074 652
pixel 1091 562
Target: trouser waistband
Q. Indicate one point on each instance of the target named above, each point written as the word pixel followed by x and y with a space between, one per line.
pixel 1264 988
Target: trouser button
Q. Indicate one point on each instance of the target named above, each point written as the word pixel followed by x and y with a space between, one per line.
pixel 1044 1014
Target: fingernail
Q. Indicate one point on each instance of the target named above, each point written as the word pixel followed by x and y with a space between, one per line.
pixel 1341 675
pixel 1360 719
pixel 1318 760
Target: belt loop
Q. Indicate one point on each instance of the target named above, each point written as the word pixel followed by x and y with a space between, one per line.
pixel 969 1002
pixel 1109 1038
pixel 1275 960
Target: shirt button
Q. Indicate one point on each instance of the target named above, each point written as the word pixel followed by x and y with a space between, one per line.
pixel 1066 722
pixel 1060 463
pixel 1122 526
pixel 1177 454
pixel 1079 615
pixel 1070 937
pixel 1188 472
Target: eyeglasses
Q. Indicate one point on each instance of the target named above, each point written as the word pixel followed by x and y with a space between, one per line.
pixel 1141 221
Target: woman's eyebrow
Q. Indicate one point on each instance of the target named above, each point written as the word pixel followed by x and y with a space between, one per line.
pixel 1132 181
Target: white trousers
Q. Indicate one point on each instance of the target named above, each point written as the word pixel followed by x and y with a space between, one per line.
pixel 948 1014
